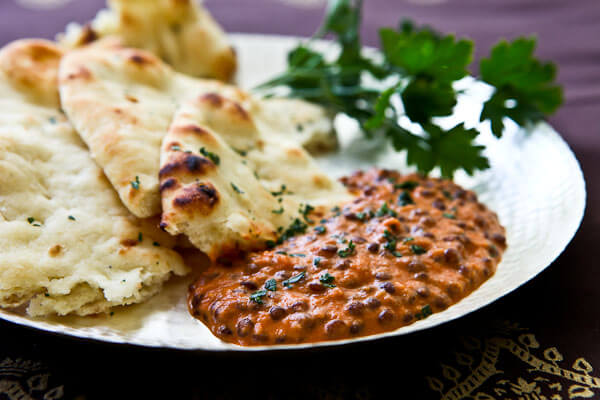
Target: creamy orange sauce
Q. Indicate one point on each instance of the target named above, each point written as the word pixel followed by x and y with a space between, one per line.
pixel 406 247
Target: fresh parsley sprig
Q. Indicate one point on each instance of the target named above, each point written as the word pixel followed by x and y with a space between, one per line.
pixel 524 87
pixel 418 66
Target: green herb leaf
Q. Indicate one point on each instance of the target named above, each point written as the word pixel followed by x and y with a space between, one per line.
pixel 450 150
pixel 381 107
pixel 136 184
pixel 271 285
pixel 320 229
pixel 295 228
pixel 282 191
pixel 524 86
pixel 237 189
pixel 72 218
pixel 210 155
pixel 416 249
pixel 385 210
pixel 388 235
pixel 316 261
pixel 242 153
pixel 408 185
pixel 294 279
pixel 280 211
pixel 404 199
pixel 348 251
pixel 305 211
pixel 425 312
pixel 423 52
pixel 327 279
pixel 365 215
pixel 257 296
pixel 390 246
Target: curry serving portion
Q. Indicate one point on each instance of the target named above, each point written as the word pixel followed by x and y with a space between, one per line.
pixel 406 247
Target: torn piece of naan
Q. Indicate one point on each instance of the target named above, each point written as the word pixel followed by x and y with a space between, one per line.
pixel 305 123
pixel 230 184
pixel 181 32
pixel 67 244
pixel 122 100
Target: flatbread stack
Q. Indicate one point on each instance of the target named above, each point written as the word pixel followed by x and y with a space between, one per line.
pixel 67 244
pixel 102 144
pixel 122 100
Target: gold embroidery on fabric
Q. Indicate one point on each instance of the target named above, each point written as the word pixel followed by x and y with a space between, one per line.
pixel 26 380
pixel 544 378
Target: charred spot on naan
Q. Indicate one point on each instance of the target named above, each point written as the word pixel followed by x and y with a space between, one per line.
pixel 128 242
pixel 144 67
pixel 190 129
pixel 321 181
pixel 170 183
pixel 201 197
pixel 181 163
pixel 88 35
pixel 142 58
pixel 295 153
pixel 81 73
pixel 231 108
pixel 131 98
pixel 55 250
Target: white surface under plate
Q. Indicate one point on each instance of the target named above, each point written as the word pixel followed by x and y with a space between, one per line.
pixel 535 185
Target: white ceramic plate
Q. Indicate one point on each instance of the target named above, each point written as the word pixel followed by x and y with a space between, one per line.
pixel 535 185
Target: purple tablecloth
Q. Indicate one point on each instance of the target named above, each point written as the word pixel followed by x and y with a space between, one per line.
pixel 540 342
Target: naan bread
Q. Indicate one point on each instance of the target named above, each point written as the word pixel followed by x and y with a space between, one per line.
pixel 122 100
pixel 305 123
pixel 230 183
pixel 181 32
pixel 67 245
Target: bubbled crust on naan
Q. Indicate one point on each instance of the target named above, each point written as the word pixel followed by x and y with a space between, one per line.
pixel 227 203
pixel 181 32
pixel 67 245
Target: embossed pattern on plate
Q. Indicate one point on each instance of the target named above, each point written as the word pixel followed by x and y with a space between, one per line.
pixel 535 185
